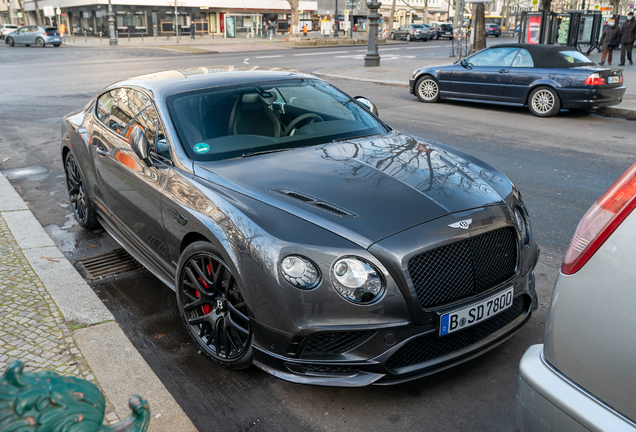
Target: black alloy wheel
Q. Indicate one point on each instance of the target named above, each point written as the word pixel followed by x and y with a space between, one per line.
pixel 40 42
pixel 392 36
pixel 80 202
pixel 10 41
pixel 212 307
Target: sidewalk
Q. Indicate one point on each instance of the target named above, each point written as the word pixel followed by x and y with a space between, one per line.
pixel 51 319
pixel 399 73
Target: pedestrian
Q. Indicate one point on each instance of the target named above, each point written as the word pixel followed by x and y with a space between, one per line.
pixel 628 35
pixel 271 29
pixel 305 30
pixel 264 30
pixel 191 30
pixel 609 41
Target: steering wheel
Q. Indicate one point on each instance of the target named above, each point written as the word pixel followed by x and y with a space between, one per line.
pixel 289 130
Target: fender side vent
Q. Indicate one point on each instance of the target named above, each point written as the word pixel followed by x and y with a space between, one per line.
pixel 316 202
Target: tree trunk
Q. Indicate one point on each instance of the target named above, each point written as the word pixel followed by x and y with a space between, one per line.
pixel 9 12
pixel 425 12
pixel 546 5
pixel 389 28
pixel 480 27
pixel 293 30
pixel 24 15
pixel 456 16
pixel 37 12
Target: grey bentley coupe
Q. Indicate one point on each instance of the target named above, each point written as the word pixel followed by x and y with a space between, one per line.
pixel 300 233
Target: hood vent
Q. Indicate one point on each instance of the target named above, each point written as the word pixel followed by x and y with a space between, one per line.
pixel 313 201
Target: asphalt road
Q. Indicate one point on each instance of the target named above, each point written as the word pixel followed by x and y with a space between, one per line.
pixel 561 165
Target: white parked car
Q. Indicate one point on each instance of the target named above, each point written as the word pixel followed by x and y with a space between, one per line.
pixel 5 29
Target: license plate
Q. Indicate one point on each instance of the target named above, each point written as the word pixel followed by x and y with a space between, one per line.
pixel 613 79
pixel 476 313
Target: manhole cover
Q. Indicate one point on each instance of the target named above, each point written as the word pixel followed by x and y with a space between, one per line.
pixel 115 263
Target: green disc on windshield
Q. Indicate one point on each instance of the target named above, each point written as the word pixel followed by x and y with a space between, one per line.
pixel 201 148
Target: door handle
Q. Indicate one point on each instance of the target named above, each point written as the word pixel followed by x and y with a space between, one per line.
pixel 100 151
pixel 503 70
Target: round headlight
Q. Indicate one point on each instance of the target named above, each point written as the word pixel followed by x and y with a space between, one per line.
pixel 300 272
pixel 523 227
pixel 357 280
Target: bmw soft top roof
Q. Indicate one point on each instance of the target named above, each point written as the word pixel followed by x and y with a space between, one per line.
pixel 546 56
pixel 165 83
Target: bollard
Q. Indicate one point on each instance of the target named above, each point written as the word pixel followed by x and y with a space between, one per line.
pixel 73 37
pixel 128 31
pixel 85 38
pixel 100 36
pixel 142 37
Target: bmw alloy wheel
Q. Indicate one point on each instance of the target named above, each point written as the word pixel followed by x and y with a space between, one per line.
pixel 213 307
pixel 543 101
pixel 428 90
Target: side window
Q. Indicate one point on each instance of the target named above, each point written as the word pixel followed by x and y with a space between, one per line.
pixel 148 121
pixel 102 109
pixel 494 57
pixel 121 113
pixel 523 59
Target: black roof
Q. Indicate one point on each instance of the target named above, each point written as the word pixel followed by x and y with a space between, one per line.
pixel 545 56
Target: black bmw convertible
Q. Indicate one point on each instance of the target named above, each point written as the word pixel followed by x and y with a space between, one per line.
pixel 545 78
pixel 300 233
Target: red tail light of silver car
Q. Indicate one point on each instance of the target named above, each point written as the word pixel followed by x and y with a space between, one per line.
pixel 600 221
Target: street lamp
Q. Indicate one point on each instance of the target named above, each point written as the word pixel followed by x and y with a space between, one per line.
pixel 111 25
pixel 372 58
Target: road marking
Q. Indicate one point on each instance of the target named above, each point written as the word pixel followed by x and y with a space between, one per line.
pixel 427 46
pixel 246 60
pixel 390 49
pixel 272 56
pixel 321 53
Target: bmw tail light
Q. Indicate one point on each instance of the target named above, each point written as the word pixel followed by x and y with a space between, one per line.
pixel 595 79
pixel 600 221
pixel 621 79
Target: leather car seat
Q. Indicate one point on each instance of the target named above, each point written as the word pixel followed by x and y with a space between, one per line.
pixel 252 115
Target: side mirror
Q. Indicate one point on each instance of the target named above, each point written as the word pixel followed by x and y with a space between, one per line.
pixel 139 144
pixel 464 63
pixel 367 104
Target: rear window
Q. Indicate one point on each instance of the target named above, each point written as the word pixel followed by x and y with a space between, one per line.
pixel 417 26
pixel 50 29
pixel 446 26
pixel 9 26
pixel 575 57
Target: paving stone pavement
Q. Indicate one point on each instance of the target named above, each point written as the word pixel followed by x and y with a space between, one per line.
pixel 32 328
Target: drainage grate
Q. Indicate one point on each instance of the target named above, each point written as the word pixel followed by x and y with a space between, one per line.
pixel 115 263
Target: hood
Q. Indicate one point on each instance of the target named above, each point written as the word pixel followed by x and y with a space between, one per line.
pixel 364 189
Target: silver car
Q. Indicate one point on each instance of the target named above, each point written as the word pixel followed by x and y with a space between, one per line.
pixel 35 35
pixel 584 377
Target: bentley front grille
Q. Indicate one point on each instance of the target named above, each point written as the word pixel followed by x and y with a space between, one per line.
pixel 464 268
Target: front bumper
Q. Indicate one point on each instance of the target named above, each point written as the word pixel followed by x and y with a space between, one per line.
pixel 548 401
pixel 390 354
pixel 591 98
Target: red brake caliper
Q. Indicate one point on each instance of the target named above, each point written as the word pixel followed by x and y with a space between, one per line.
pixel 206 308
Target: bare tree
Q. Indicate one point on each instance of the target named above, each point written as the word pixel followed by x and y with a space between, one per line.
pixel 37 13
pixel 479 26
pixel 425 12
pixel 293 31
pixel 391 19
pixel 546 5
pixel 24 15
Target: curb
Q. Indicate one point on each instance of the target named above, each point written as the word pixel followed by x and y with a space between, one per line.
pixel 117 366
pixel 389 83
pixel 614 112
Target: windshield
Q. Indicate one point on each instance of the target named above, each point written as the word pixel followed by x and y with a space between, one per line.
pixel 575 57
pixel 229 122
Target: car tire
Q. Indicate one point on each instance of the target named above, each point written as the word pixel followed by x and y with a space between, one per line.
pixel 27 44
pixel 544 102
pixel 408 37
pixel 427 89
pixel 40 42
pixel 77 194
pixel 56 45
pixel 10 42
pixel 212 307
pixel 496 35
pixel 392 36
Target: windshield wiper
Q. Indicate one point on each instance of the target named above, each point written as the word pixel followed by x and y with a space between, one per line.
pixel 256 153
